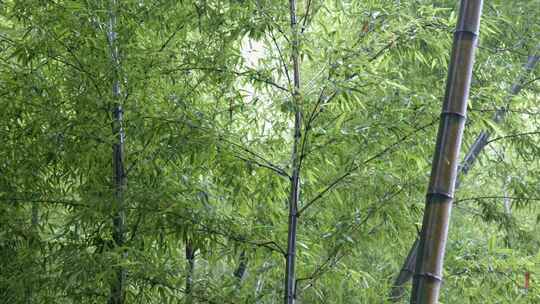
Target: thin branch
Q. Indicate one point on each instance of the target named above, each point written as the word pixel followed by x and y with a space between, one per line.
pixel 271 245
pixel 322 268
pixel 281 59
pixel 237 73
pixel 529 82
pixel 69 203
pixel 220 138
pixel 276 170
pixel 170 38
pixel 159 281
pixel 326 99
pixel 512 136
pixel 305 17
pixel 267 164
pixel 497 197
pixel 384 49
pixel 356 167
pixel 518 111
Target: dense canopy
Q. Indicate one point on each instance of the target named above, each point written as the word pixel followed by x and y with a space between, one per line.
pixel 165 151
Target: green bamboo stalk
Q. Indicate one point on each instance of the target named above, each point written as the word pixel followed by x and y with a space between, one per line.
pixel 431 248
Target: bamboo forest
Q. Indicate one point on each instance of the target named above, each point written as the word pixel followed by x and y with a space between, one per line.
pixel 269 151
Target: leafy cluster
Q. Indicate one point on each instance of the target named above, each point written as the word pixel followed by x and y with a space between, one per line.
pixel 207 92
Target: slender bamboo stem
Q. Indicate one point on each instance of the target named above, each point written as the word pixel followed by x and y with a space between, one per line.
pixel 117 294
pixel 190 259
pixel 295 176
pixel 406 272
pixel 431 248
pixel 242 266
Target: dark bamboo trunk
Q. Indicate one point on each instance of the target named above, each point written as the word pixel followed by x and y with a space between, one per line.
pixel 294 196
pixel 117 288
pixel 242 266
pixel 429 261
pixel 291 242
pixel 406 272
pixel 117 294
pixel 33 244
pixel 190 259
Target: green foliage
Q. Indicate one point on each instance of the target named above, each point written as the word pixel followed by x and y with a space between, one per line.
pixel 206 92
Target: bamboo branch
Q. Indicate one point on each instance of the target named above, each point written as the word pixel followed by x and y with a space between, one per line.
pixel 254 76
pixel 498 197
pixel 262 165
pixel 305 17
pixel 268 244
pixel 512 136
pixel 340 179
pixel 266 164
pixel 281 59
pixel 334 257
pixel 164 45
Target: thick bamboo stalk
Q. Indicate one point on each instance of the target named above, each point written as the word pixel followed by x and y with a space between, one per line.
pixel 431 248
pixel 406 272
pixel 295 176
pixel 117 294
